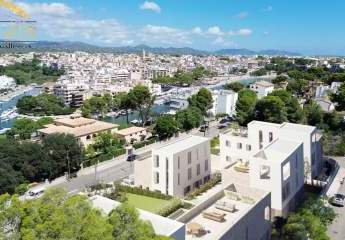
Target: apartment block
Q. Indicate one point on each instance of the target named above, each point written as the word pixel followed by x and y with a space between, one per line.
pixel 177 168
pixel 72 94
pixel 224 102
pixel 262 88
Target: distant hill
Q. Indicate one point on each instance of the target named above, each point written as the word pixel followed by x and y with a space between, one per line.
pixel 70 46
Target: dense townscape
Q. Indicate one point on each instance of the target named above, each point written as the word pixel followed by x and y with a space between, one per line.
pixel 135 121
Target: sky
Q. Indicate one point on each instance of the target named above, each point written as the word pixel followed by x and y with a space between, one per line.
pixel 305 26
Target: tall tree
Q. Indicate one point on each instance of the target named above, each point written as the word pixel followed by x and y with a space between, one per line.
pixel 166 126
pixel 234 86
pixel 144 101
pixel 339 98
pixel 313 113
pixel 294 111
pixel 270 109
pixel 245 106
pixel 202 100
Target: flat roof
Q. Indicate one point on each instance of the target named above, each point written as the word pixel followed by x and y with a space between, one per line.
pixel 130 130
pixel 182 144
pixel 161 225
pixel 278 151
pixel 298 127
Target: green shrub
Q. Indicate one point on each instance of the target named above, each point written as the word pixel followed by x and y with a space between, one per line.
pixel 144 143
pixel 172 207
pixel 21 189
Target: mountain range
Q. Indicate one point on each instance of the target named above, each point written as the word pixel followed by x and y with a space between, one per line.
pixel 69 46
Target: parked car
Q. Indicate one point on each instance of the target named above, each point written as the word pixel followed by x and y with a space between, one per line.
pixel 35 193
pixel 337 200
pixel 131 158
pixel 221 126
pixel 203 128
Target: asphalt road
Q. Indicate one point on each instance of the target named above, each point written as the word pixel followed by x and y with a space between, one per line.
pixel 118 168
pixel 336 231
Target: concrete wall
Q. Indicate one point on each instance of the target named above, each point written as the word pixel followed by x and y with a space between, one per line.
pixel 143 173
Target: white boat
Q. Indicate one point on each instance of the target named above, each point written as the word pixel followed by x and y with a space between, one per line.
pixel 9 114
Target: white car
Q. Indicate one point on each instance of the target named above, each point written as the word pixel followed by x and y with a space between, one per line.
pixel 35 193
pixel 337 200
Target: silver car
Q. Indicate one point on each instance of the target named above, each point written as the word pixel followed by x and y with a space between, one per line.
pixel 338 200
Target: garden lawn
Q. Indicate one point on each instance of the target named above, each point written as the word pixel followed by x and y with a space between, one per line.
pixel 146 203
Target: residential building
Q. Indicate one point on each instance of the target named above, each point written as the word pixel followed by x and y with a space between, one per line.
pixel 132 134
pixel 275 157
pixel 7 82
pixel 84 129
pixel 176 168
pixel 72 94
pixel 224 102
pixel 262 88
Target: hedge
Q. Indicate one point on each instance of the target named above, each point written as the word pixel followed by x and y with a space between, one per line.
pixel 141 191
pixel 144 143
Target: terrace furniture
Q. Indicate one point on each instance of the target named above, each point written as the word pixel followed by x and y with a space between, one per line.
pixel 218 217
pixel 195 229
pixel 225 206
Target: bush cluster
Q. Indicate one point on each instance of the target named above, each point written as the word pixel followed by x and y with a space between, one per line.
pixel 144 143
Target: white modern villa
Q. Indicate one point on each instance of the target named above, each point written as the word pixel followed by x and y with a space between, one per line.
pixel 274 157
pixel 177 168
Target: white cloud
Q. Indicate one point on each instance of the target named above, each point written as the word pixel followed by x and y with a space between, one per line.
pixel 241 15
pixel 60 22
pixel 52 9
pixel 241 32
pixel 150 6
pixel 215 30
pixel 220 41
pixel 164 34
pixel 268 8
pixel 197 30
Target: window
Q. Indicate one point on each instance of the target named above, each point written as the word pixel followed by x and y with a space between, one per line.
pixel 88 137
pixel 260 139
pixel 228 158
pixel 156 175
pixel 227 143
pixel 197 154
pixel 206 165
pixel 156 161
pixel 249 147
pixel 189 157
pixel 267 213
pixel 270 137
pixel 265 172
pixel 178 179
pixel 286 191
pixel 198 169
pixel 286 171
pixel 178 162
pixel 239 145
pixel 189 173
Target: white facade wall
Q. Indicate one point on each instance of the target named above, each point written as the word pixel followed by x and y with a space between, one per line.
pixel 172 168
pixel 276 183
pixel 261 91
pixel 224 102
